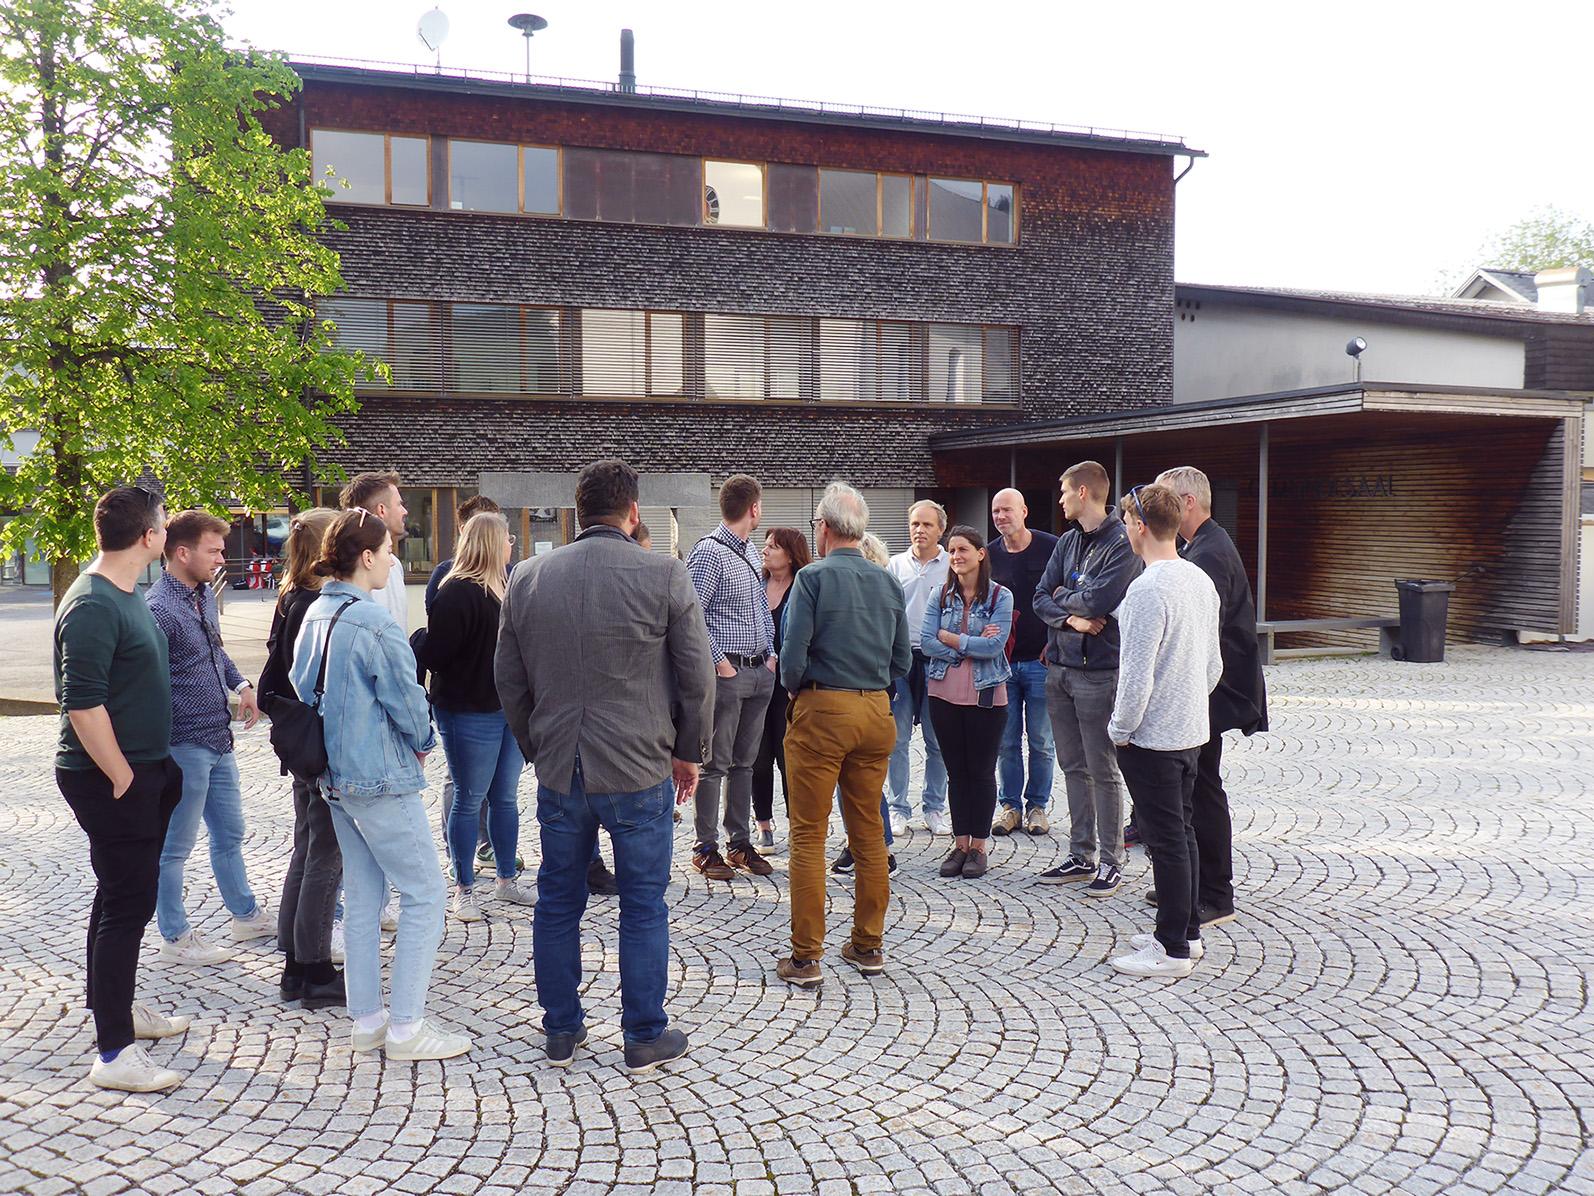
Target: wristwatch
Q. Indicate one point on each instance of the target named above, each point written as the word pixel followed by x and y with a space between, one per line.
pixel 243 685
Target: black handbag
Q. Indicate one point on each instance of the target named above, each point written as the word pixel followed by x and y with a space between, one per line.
pixel 297 734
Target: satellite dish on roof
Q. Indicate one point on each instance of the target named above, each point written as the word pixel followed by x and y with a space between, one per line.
pixel 432 29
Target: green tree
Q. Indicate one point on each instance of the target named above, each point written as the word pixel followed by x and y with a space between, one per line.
pixel 159 265
pixel 1544 240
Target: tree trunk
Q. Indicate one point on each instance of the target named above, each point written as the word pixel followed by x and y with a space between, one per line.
pixel 63 572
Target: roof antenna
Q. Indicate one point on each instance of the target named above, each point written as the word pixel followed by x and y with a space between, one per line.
pixel 432 29
pixel 528 23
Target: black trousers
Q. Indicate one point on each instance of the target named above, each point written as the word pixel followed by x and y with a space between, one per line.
pixel 125 839
pixel 771 755
pixel 970 738
pixel 310 890
pixel 1214 829
pixel 1163 785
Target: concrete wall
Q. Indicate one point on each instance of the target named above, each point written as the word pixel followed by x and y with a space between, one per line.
pixel 1220 351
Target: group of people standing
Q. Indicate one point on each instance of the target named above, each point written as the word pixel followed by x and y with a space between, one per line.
pixel 636 683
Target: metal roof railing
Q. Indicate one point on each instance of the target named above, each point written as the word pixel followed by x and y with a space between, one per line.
pixel 744 101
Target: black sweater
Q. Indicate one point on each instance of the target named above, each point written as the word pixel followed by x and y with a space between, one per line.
pixel 461 638
pixel 285 623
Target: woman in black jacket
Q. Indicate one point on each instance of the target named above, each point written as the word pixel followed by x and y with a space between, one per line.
pixel 483 758
pixel 785 552
pixel 315 870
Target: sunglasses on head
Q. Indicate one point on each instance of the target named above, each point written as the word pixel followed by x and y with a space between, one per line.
pixel 1134 496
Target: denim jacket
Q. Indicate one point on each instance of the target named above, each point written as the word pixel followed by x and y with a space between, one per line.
pixel 375 714
pixel 989 653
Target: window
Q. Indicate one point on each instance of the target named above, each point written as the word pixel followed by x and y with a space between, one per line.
pixel 415 349
pixel 896 205
pixel 999 213
pixel 411 176
pixel 539 328
pixel 901 374
pixel 482 177
pixel 666 353
pixel 632 353
pixel 1001 365
pixel 486 348
pixel 539 173
pixel 361 324
pixel 733 194
pixel 631 188
pixel 417 551
pixel 793 198
pixel 847 360
pixel 733 356
pixel 351 165
pixel 956 210
pixel 955 352
pixel 849 202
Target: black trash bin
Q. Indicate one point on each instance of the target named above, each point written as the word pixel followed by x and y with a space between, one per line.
pixel 1424 611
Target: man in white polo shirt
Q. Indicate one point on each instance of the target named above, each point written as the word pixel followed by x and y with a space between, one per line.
pixel 921 571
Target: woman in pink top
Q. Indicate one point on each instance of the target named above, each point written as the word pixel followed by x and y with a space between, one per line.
pixel 965 637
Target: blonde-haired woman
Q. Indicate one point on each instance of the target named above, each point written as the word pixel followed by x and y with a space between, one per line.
pixel 875 551
pixel 483 758
pixel 315 869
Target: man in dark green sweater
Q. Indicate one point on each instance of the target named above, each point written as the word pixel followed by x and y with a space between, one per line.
pixel 115 769
pixel 846 641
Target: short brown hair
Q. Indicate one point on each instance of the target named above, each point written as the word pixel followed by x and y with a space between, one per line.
pixel 366 488
pixel 351 533
pixel 124 515
pixel 1090 475
pixel 186 527
pixel 1157 506
pixel 475 505
pixel 738 495
pixel 604 490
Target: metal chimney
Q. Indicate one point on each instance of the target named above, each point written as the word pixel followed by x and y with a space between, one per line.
pixel 627 61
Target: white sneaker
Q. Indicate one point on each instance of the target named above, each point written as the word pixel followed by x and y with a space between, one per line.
pixel 192 949
pixel 1141 941
pixel 368 1040
pixel 508 889
pixel 1152 960
pixel 390 913
pixel 937 822
pixel 428 1042
pixel 261 925
pixel 133 1071
pixel 899 824
pixel 149 1024
pixel 337 943
pixel 464 907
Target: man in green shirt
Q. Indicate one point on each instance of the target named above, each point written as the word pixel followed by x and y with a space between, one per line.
pixel 114 767
pixel 846 641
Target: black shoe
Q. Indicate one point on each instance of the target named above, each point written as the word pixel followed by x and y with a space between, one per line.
pixel 1131 833
pixel 1071 869
pixel 891 864
pixel 1151 898
pixel 766 838
pixel 600 881
pixel 1211 916
pixel 843 862
pixel 1106 883
pixel 291 986
pixel 324 995
pixel 561 1048
pixel 645 1056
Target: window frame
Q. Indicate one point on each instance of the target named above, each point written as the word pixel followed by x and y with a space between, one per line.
pixel 763 188
pixel 387 167
pixel 558 179
pixel 985 211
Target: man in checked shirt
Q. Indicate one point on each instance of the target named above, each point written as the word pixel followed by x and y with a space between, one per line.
pixel 728 576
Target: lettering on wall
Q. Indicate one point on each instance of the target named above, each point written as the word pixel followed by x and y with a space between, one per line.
pixel 1344 487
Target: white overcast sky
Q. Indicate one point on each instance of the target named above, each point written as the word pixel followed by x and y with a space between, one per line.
pixel 1355 146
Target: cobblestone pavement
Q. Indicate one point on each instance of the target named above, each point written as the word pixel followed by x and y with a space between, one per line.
pixel 1403 1006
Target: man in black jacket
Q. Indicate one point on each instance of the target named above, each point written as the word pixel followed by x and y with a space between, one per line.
pixel 1240 701
pixel 1084 582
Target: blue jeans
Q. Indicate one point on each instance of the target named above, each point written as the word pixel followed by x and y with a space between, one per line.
pixel 210 791
pixel 899 770
pixel 643 833
pixel 387 839
pixel 484 761
pixel 1026 707
pixel 885 815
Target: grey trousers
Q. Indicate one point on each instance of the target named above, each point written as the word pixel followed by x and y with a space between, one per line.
pixel 740 703
pixel 1080 704
pixel 310 889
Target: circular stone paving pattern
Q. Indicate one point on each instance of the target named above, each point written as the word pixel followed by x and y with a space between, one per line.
pixel 1402 1006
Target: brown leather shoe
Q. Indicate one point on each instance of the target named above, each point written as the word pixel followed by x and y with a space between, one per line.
pixel 953 864
pixel 870 963
pixel 743 856
pixel 975 865
pixel 712 865
pixel 803 974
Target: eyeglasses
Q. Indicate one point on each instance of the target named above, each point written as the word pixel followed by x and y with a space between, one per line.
pixel 1134 495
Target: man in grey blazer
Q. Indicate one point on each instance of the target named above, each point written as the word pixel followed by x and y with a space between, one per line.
pixel 604 669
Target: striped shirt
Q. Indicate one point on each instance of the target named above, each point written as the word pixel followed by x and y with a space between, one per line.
pixel 729 579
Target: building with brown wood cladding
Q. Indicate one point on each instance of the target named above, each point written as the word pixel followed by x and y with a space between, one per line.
pixel 707 285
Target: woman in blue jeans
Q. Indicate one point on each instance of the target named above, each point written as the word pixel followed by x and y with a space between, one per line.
pixel 483 758
pixel 378 732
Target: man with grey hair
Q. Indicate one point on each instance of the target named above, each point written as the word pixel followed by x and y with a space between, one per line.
pixel 921 571
pixel 1239 703
pixel 846 641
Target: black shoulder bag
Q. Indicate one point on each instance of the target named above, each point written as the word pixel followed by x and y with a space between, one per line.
pixel 297 734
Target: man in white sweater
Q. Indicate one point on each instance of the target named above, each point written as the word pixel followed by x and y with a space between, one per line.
pixel 1168 662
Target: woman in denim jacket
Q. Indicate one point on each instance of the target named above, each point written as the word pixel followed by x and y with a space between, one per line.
pixel 965 636
pixel 378 732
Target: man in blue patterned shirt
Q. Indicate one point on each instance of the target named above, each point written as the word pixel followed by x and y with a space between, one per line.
pixel 728 575
pixel 203 680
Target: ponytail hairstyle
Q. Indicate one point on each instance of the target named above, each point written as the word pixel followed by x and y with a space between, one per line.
pixel 352 533
pixel 982 585
pixel 303 549
pixel 479 555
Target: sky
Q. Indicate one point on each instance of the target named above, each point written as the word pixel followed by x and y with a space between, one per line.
pixel 1354 146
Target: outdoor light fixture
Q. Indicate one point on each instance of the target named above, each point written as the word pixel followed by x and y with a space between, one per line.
pixel 528 23
pixel 1354 348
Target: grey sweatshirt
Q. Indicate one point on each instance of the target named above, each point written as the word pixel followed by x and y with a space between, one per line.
pixel 1168 658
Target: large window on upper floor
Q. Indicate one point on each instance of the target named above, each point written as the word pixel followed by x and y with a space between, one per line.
pixel 733 194
pixel 489 176
pixel 374 168
pixel 627 188
pixel 971 211
pixel 404 333
pixel 629 354
pixel 865 204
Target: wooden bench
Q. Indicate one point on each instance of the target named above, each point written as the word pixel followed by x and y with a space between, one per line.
pixel 1388 634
